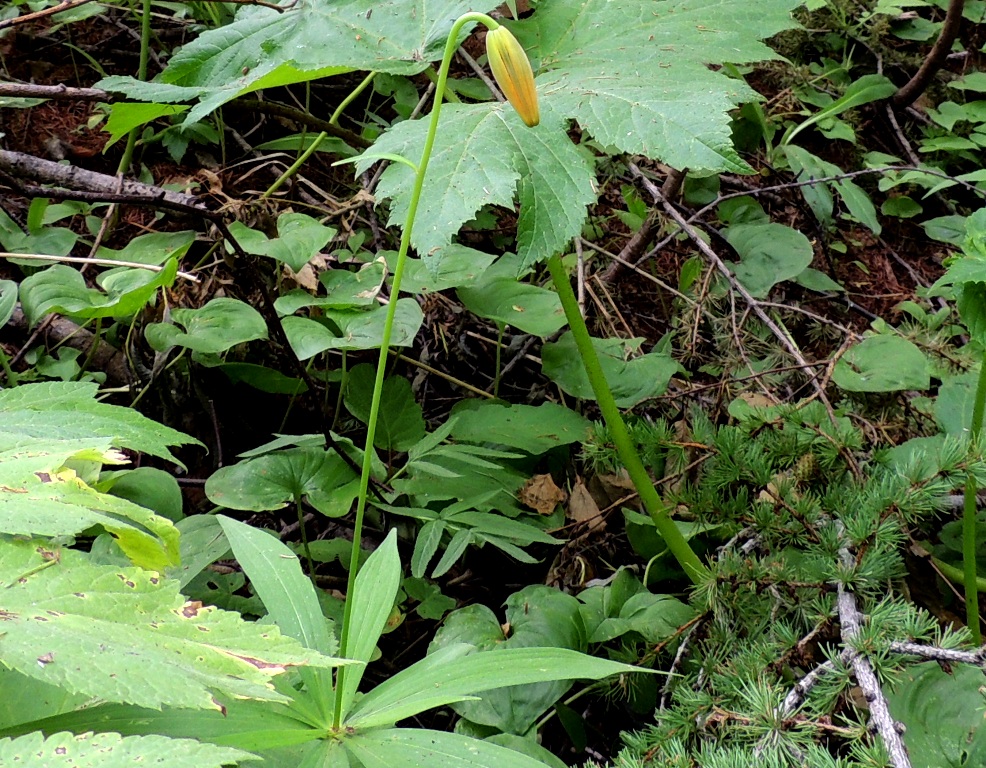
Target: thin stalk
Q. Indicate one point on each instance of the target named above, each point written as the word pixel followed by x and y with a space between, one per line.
pixel 969 517
pixel 371 427
pixel 334 120
pixel 343 380
pixel 304 540
pixel 656 508
pixel 501 328
pixel 145 54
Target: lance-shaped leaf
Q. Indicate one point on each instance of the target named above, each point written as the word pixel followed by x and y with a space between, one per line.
pixel 127 635
pixel 635 74
pixel 265 48
pixel 483 155
pixel 421 748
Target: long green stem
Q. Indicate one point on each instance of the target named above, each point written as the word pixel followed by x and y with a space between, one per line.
pixel 145 53
pixel 334 120
pixel 371 426
pixel 656 508
pixel 969 517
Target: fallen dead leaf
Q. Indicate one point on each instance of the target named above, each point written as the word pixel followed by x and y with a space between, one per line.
pixel 609 489
pixel 541 494
pixel 582 508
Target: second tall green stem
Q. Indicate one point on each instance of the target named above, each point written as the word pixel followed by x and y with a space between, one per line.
pixel 652 502
pixel 969 517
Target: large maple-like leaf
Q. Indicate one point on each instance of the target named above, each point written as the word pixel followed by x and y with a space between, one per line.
pixel 110 750
pixel 264 48
pixel 483 154
pixel 127 635
pixel 634 74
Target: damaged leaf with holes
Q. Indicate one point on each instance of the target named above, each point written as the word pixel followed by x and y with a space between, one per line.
pixel 128 635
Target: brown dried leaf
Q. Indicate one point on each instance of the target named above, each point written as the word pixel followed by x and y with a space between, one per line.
pixel 582 508
pixel 541 494
pixel 609 489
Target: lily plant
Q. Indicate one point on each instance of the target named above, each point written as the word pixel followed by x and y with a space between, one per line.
pixel 513 74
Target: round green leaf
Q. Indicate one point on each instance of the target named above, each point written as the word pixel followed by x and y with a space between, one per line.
pixel 882 364
pixel 400 423
pixel 534 429
pixel 631 381
pixel 528 307
pixel 274 480
pixel 769 254
pixel 218 326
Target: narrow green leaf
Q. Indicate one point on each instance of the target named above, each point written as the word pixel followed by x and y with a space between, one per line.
pixel 421 748
pixel 288 595
pixel 373 600
pixel 455 672
pixel 460 540
pixel 425 546
pixel 864 90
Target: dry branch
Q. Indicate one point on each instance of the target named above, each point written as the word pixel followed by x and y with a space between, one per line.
pixel 882 722
pixel 910 92
pixel 63 332
pixel 20 166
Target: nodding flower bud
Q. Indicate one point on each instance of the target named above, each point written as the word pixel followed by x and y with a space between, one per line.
pixel 512 71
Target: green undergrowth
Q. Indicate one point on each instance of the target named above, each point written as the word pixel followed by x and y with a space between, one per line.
pixel 798 359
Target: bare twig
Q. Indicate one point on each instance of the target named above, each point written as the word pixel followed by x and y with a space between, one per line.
pixel 950 655
pixel 21 166
pixel 797 695
pixel 65 5
pixel 90 260
pixel 481 74
pixel 60 92
pixel 901 138
pixel 720 265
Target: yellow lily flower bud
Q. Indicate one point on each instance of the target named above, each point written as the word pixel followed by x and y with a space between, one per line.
pixel 512 72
